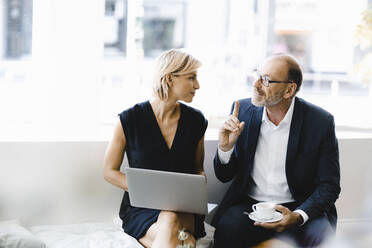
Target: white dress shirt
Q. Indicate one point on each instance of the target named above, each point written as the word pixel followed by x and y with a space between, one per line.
pixel 268 174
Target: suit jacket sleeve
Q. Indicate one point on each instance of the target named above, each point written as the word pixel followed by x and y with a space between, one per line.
pixel 226 172
pixel 327 178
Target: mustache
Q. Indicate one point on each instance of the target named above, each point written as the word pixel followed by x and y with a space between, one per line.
pixel 258 91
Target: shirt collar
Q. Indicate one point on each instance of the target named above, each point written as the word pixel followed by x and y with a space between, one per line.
pixel 287 118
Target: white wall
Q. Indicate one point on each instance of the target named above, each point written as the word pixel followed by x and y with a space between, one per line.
pixel 55 182
pixel 355 200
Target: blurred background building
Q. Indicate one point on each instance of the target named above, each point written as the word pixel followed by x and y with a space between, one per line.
pixel 67 68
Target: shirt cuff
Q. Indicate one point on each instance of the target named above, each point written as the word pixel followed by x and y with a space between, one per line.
pixel 224 156
pixel 305 217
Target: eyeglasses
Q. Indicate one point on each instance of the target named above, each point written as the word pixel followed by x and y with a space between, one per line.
pixel 265 80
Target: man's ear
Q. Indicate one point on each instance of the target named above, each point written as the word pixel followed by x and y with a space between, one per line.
pixel 291 90
pixel 294 88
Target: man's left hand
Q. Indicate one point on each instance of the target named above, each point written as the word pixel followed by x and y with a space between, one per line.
pixel 289 220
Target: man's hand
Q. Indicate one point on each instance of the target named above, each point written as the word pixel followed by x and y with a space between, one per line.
pixel 230 131
pixel 289 220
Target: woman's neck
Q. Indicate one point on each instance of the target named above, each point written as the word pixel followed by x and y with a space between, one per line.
pixel 164 110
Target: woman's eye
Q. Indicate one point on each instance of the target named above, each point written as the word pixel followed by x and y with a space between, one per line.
pixel 192 78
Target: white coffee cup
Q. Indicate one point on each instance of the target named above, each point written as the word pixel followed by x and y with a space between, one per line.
pixel 264 210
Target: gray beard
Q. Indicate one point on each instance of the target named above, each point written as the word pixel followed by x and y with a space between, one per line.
pixel 273 103
pixel 265 103
pixel 257 104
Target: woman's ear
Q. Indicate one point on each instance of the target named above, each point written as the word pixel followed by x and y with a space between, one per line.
pixel 169 80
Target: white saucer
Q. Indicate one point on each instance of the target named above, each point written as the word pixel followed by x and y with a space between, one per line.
pixel 277 217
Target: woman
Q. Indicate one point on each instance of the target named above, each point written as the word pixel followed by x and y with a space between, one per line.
pixel 161 134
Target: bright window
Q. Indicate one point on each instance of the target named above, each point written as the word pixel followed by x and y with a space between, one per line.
pixel 69 67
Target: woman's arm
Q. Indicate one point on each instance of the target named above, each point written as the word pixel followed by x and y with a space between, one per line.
pixel 114 157
pixel 199 157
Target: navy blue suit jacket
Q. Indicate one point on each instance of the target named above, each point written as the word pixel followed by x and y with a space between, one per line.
pixel 312 162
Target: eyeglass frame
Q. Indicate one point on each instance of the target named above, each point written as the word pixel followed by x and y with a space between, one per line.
pixel 267 79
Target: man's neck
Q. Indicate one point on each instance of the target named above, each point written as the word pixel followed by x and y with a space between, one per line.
pixel 277 112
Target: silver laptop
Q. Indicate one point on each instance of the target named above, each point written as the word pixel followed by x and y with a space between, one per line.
pixel 167 190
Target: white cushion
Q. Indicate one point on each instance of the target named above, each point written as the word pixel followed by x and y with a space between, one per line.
pixel 207 240
pixel 96 235
pixel 204 242
pixel 92 235
pixel 13 235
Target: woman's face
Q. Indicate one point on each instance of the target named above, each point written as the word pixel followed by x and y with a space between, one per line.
pixel 183 87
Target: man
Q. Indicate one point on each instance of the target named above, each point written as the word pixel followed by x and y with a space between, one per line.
pixel 277 147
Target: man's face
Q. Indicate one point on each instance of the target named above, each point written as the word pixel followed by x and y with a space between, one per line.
pixel 277 70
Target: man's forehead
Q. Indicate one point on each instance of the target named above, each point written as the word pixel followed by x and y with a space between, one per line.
pixel 274 66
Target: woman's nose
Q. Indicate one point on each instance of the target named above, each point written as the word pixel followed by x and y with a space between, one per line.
pixel 196 84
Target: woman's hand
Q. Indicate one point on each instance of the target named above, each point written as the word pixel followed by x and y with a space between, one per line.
pixel 230 131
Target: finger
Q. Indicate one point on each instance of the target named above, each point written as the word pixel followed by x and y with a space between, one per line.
pixel 282 209
pixel 236 109
pixel 241 126
pixel 228 127
pixel 233 124
pixel 235 119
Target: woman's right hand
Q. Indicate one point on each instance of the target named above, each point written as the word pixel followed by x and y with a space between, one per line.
pixel 230 130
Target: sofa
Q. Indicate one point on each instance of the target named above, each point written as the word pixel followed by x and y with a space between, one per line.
pixel 55 194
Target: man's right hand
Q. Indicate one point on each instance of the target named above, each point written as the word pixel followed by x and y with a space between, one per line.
pixel 230 131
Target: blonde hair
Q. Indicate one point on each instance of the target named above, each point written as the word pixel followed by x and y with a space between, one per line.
pixel 172 62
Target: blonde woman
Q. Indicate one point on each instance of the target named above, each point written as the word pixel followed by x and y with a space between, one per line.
pixel 161 134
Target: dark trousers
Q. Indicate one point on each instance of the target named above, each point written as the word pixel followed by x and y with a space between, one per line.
pixel 236 229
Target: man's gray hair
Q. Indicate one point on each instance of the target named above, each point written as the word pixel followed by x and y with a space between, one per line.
pixel 294 69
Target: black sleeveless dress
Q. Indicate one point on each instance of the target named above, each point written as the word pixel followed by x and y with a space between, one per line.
pixel 147 149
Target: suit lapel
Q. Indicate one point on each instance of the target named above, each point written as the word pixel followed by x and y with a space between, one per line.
pixel 253 134
pixel 254 130
pixel 294 137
